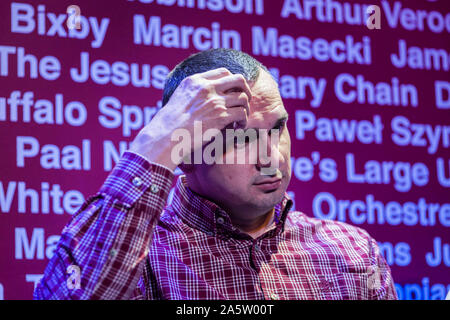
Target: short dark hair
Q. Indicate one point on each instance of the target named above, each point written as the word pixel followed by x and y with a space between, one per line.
pixel 237 62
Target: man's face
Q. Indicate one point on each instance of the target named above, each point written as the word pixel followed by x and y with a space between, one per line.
pixel 239 188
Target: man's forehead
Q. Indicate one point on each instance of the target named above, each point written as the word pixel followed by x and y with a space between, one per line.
pixel 263 117
pixel 266 104
pixel 264 89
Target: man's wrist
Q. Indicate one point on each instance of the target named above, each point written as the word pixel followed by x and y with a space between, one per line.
pixel 145 158
pixel 158 153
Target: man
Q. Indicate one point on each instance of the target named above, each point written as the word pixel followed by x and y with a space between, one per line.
pixel 229 232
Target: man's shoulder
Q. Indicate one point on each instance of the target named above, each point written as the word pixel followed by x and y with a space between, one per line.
pixel 348 247
pixel 324 229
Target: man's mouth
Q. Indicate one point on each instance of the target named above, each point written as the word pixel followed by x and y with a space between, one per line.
pixel 268 184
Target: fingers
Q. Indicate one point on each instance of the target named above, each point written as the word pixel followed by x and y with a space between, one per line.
pixel 235 91
pixel 236 115
pixel 237 100
pixel 226 82
pixel 233 83
pixel 215 74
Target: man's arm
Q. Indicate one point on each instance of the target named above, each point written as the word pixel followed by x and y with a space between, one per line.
pixel 108 239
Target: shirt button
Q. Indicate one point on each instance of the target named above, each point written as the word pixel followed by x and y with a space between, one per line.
pixel 274 296
pixel 137 182
pixel 257 248
pixel 113 253
pixel 220 220
pixel 154 188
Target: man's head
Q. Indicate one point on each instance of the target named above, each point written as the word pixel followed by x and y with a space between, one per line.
pixel 237 62
pixel 234 186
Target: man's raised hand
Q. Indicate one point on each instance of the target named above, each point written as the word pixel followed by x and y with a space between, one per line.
pixel 217 98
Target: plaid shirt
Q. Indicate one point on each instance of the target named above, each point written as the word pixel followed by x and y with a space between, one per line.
pixel 128 244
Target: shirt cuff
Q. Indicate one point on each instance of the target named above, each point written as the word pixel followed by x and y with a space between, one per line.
pixel 145 158
pixel 134 175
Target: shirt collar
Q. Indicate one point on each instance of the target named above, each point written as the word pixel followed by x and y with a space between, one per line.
pixel 204 215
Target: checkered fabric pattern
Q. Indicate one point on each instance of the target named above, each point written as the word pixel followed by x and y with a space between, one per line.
pixel 129 245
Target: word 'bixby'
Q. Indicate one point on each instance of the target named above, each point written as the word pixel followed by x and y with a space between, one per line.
pixel 25 20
